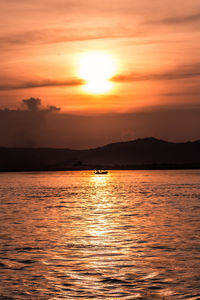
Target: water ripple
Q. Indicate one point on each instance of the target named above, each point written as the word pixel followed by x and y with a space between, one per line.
pixel 128 235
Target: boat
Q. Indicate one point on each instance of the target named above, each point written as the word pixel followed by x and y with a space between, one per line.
pixel 100 172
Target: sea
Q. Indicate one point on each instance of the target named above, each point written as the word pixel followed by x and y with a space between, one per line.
pixel 121 235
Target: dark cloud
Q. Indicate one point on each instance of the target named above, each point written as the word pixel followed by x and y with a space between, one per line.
pixel 32 104
pixel 53 108
pixel 26 127
pixel 41 83
pixel 181 72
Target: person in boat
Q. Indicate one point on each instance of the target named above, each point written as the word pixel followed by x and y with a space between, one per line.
pixel 101 172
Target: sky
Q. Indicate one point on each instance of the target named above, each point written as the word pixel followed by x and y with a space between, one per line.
pixel 155 85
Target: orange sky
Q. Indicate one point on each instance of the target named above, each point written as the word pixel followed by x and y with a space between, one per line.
pixel 155 44
pixel 155 91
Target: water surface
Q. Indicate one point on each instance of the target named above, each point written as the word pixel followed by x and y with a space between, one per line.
pixel 76 235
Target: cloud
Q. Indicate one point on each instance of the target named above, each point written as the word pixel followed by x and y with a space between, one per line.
pixel 181 72
pixel 32 103
pixel 53 108
pixel 28 126
pixel 40 84
pixel 184 19
pixel 189 91
pixel 63 35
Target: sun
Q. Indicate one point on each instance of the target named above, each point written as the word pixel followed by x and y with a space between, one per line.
pixel 97 68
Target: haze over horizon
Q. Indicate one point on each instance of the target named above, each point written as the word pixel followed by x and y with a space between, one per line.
pixel 34 125
pixel 98 72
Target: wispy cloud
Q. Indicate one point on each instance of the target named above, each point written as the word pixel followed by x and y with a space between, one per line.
pixel 40 84
pixel 181 72
pixel 178 20
pixel 191 91
pixel 64 35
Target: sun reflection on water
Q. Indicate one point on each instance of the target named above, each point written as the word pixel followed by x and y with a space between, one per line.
pixel 118 235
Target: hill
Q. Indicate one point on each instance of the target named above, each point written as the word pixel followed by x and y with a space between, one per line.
pixel 147 153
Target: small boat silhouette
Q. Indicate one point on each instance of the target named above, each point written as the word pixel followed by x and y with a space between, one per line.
pixel 100 172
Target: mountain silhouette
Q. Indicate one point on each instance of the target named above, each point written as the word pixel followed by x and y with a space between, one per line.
pixel 149 153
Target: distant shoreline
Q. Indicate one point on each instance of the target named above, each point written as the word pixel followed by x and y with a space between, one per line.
pixel 140 154
pixel 111 168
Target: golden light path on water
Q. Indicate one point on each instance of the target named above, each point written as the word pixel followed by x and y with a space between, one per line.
pixel 126 234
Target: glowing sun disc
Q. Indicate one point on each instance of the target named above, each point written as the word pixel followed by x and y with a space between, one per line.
pixel 100 87
pixel 96 68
